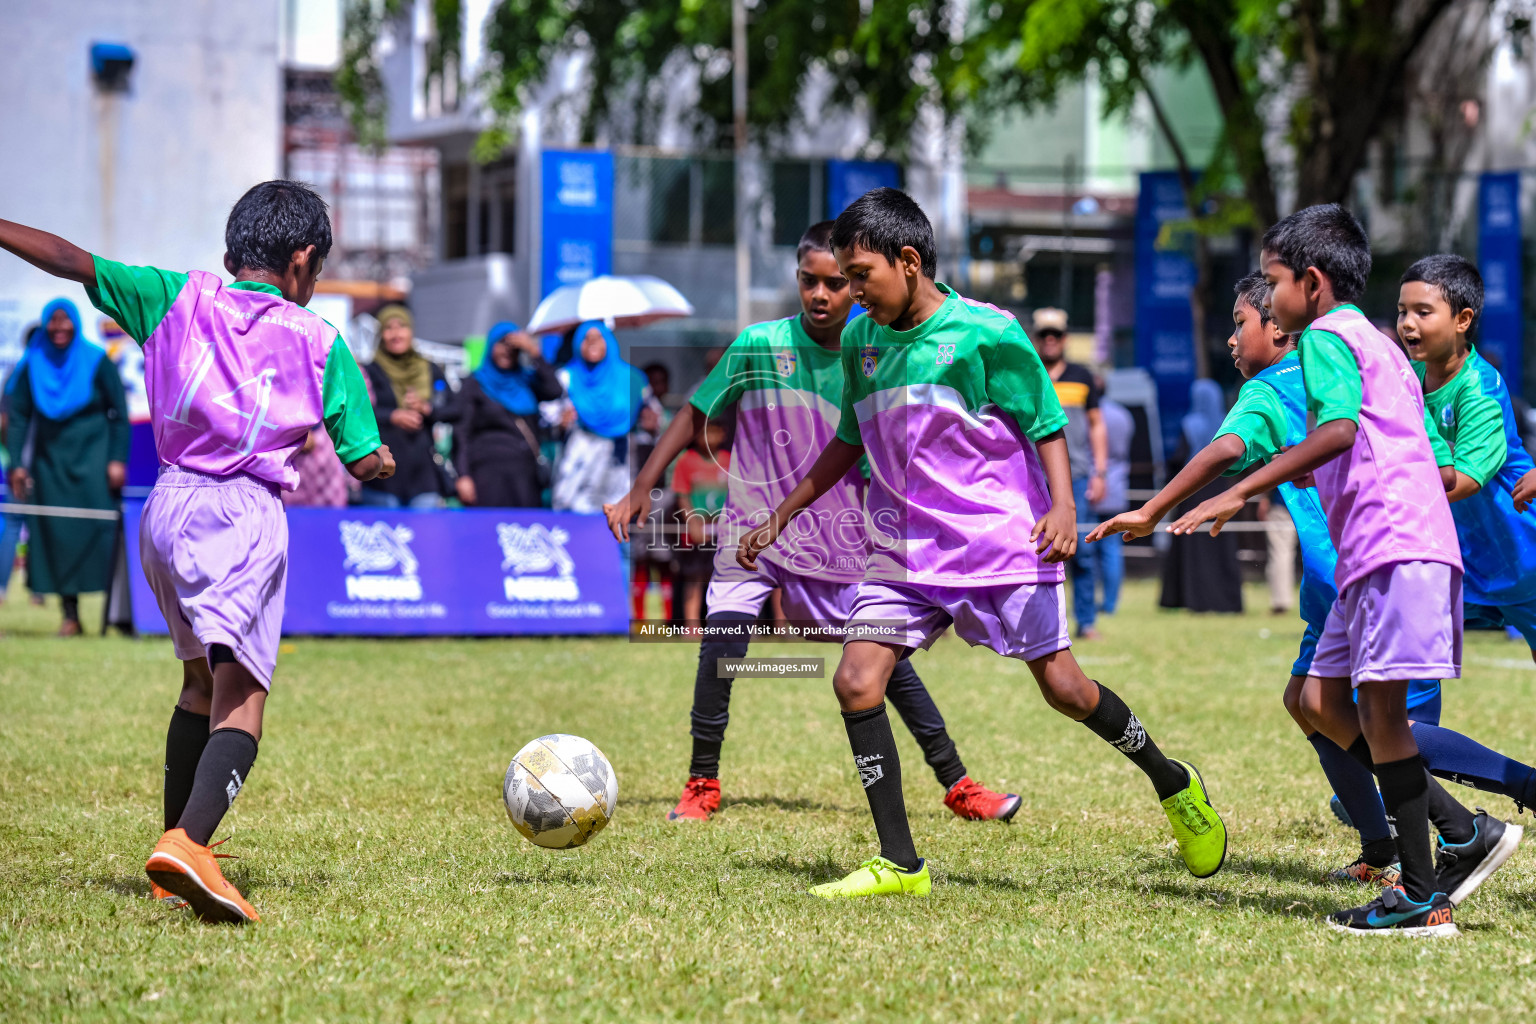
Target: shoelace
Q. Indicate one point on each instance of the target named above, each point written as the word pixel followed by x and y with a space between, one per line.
pixel 1189 814
pixel 223 856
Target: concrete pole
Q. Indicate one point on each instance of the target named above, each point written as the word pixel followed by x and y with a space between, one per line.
pixel 743 215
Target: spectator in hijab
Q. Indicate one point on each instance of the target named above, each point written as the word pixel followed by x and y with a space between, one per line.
pixel 498 447
pixel 1202 572
pixel 411 395
pixel 605 398
pixel 67 398
pixel 10 525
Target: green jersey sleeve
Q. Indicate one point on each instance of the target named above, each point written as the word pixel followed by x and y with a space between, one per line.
pixel 349 417
pixel 1437 441
pixel 848 420
pixel 136 297
pixel 726 382
pixel 1480 446
pixel 1017 382
pixel 1332 377
pixel 1259 420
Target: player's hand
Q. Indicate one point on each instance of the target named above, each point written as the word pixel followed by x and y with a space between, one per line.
pixel 1220 508
pixel 634 505
pixel 1095 490
pixel 386 463
pixel 19 484
pixel 465 488
pixel 117 475
pixel 1133 524
pixel 1055 533
pixel 1525 491
pixel 756 541
pixel 406 419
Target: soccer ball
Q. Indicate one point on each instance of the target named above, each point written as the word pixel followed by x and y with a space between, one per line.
pixel 560 791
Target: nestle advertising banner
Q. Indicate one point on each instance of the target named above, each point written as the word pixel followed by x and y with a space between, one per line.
pixel 1501 332
pixel 475 571
pixel 849 179
pixel 577 225
pixel 1165 334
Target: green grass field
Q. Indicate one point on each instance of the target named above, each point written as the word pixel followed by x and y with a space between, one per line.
pixel 392 887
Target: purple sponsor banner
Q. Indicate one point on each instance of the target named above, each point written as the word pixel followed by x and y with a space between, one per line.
pixel 483 572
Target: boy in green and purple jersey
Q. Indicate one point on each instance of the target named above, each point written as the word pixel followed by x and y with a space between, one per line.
pixel 786 379
pixel 237 376
pixel 1397 616
pixel 972 512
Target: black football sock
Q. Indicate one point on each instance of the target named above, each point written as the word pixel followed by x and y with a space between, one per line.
pixel 1405 792
pixel 1355 787
pixel 1113 723
pixel 1452 820
pixel 874 754
pixel 711 713
pixel 184 743
pixel 920 714
pixel 71 608
pixel 221 771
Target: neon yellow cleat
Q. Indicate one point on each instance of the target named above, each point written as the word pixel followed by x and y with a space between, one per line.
pixel 1197 828
pixel 878 877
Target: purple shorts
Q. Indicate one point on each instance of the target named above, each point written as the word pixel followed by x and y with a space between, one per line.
pixel 215 551
pixel 806 601
pixel 1017 620
pixel 1402 621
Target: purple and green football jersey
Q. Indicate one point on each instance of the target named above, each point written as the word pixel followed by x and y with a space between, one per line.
pixel 787 390
pixel 1383 497
pixel 946 413
pixel 1498 545
pixel 237 376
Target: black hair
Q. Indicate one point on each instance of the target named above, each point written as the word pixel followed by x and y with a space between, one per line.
pixel 1457 278
pixel 1329 238
pixel 817 238
pixel 1253 289
pixel 274 220
pixel 650 368
pixel 886 220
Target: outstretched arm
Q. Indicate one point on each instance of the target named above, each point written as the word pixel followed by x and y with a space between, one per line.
pixel 49 253
pixel 637 503
pixel 834 462
pixel 1326 442
pixel 1208 464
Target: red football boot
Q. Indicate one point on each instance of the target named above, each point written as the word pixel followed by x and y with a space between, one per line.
pixel 701 798
pixel 971 800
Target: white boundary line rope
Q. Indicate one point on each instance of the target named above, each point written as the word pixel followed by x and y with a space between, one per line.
pixel 62 513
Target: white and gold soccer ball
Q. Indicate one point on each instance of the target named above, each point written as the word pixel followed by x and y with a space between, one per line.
pixel 560 791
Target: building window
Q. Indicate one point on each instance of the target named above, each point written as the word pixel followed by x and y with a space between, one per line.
pixel 455 211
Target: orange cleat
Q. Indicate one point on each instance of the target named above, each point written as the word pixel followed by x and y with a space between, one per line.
pixel 184 868
pixel 701 798
pixel 972 801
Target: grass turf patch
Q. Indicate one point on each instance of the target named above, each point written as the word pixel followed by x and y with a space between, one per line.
pixel 393 888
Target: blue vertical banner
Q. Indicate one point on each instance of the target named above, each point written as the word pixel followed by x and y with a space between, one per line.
pixel 849 179
pixel 1165 334
pixel 1502 329
pixel 577 221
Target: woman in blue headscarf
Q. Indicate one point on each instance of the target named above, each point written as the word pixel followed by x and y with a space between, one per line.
pixel 1202 572
pixel 607 398
pixel 498 449
pixel 67 397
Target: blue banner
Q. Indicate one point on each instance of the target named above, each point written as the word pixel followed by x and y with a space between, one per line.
pixel 577 224
pixel 1165 334
pixel 463 572
pixel 849 179
pixel 1501 332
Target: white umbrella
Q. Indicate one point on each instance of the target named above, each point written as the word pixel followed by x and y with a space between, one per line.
pixel 625 301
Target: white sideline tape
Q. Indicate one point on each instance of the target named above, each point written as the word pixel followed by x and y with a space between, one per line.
pixel 62 513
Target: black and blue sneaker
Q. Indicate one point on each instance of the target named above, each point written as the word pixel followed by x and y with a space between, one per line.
pixel 1461 868
pixel 1337 807
pixel 1393 913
